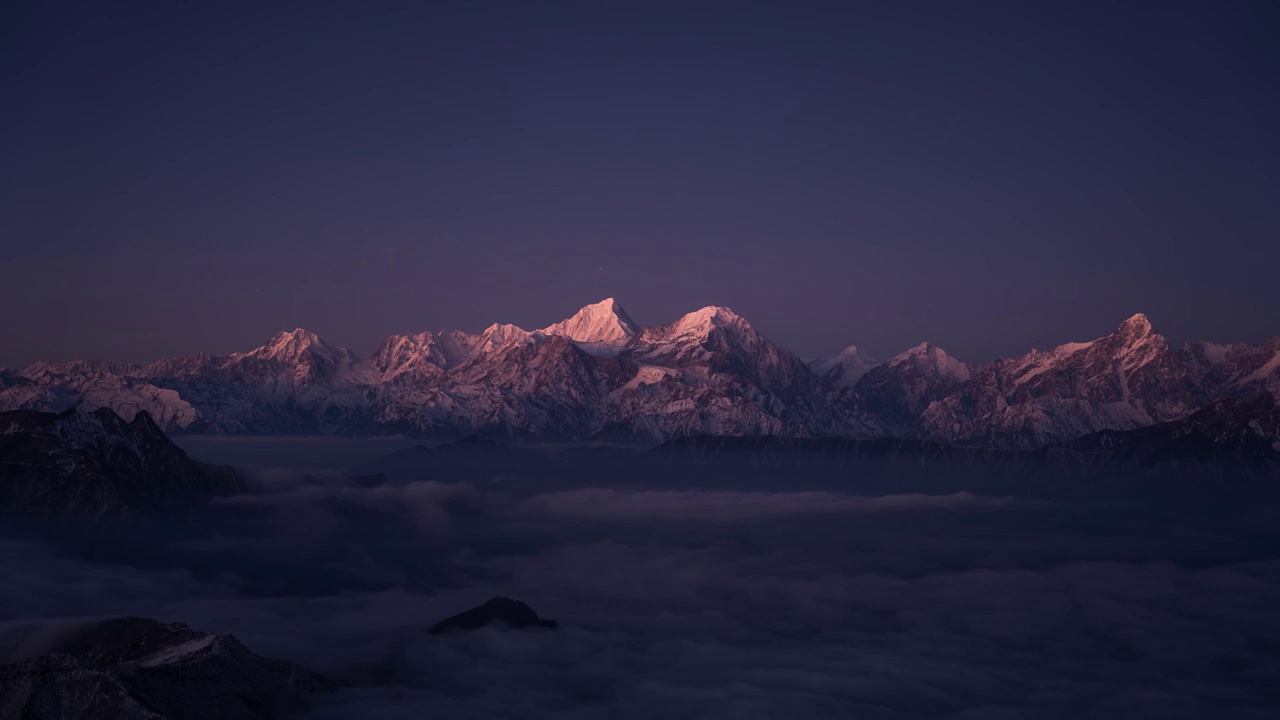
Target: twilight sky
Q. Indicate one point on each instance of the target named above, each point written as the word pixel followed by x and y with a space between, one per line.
pixel 179 177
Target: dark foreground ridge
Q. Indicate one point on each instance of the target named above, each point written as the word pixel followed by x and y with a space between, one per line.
pixel 142 669
pixel 499 612
pixel 98 464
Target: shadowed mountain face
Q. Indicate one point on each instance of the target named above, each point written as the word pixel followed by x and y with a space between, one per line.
pixel 96 463
pixel 140 669
pixel 498 612
pixel 1221 442
pixel 1128 379
pixel 599 376
pixel 1231 442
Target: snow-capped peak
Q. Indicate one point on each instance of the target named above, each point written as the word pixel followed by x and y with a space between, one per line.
pixel 923 349
pixel 307 359
pixel 846 368
pixel 1137 326
pixel 853 352
pixel 500 334
pixel 288 347
pixel 701 321
pixel 1135 343
pixel 601 322
pixel 933 361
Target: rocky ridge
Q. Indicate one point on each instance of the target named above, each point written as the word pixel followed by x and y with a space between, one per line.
pixel 96 463
pixel 141 669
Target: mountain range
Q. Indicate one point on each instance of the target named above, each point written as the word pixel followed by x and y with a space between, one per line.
pixel 598 375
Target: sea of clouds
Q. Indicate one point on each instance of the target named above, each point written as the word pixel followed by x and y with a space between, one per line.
pixel 704 604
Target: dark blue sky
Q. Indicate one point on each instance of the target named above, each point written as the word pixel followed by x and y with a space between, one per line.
pixel 989 176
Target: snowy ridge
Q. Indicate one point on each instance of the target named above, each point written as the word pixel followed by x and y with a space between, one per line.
pixel 422 356
pixel 597 374
pixel 1128 379
pixel 1243 371
pixel 899 390
pixel 932 362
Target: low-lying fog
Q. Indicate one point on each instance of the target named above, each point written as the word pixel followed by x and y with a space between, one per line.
pixel 700 603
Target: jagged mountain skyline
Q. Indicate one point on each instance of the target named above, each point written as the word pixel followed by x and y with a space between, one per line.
pixel 813 334
pixel 850 355
pixel 599 323
pixel 598 375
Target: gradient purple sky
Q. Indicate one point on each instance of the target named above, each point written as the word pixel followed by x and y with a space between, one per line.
pixel 989 177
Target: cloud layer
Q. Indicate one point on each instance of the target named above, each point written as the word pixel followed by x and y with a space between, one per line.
pixel 708 604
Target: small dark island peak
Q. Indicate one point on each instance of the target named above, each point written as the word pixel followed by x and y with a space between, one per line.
pixel 499 612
